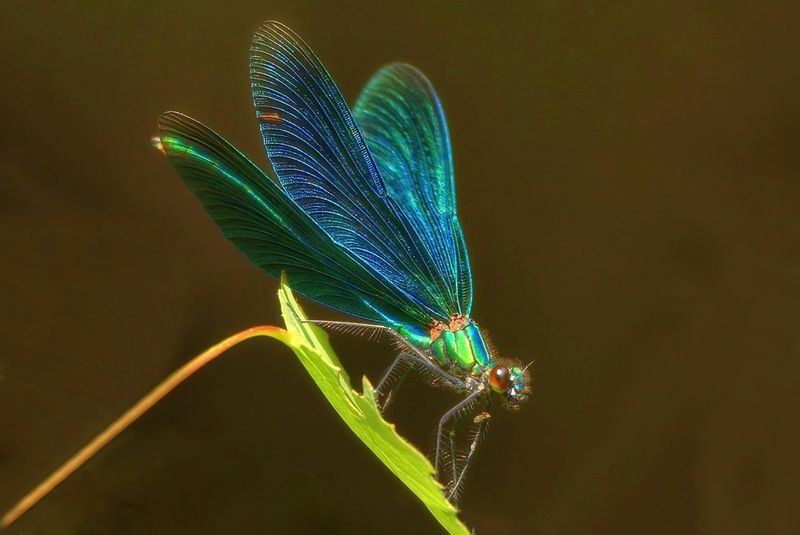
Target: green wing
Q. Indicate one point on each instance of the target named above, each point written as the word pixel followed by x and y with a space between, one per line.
pixel 406 131
pixel 255 214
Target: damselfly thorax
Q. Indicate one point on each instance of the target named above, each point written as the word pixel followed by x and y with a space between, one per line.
pixel 457 345
pixel 459 348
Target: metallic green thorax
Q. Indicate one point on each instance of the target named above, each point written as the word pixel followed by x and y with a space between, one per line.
pixel 462 348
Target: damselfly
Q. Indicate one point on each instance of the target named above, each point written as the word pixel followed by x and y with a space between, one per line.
pixel 362 218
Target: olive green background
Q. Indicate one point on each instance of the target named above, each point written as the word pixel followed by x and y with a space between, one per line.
pixel 627 179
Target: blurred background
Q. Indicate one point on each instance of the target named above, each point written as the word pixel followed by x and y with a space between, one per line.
pixel 627 179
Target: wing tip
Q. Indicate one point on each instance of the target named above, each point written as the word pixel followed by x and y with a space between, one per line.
pixel 177 122
pixel 168 122
pixel 175 129
pixel 272 28
pixel 169 119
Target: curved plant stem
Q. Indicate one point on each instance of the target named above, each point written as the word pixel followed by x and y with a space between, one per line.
pixel 131 415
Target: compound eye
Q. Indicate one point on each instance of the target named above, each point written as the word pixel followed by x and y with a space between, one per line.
pixel 499 378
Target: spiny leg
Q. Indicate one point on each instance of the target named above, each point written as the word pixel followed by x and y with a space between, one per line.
pixel 453 456
pixel 388 384
pixel 463 405
pixel 416 357
pixel 351 327
pixel 483 424
pixel 431 369
pixel 393 390
pixel 420 362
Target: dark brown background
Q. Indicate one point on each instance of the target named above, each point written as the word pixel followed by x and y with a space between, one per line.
pixel 628 184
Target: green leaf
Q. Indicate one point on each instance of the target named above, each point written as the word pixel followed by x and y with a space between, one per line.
pixel 362 415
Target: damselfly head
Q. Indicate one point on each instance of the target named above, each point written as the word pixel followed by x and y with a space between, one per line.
pixel 511 382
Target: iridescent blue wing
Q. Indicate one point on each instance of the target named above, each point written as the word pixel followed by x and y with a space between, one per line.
pixel 324 165
pixel 405 128
pixel 256 215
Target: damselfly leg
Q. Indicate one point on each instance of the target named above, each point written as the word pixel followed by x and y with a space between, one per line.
pixel 446 452
pixel 412 358
pixel 461 408
pixel 402 364
pixel 392 380
pixel 352 327
pixel 479 433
